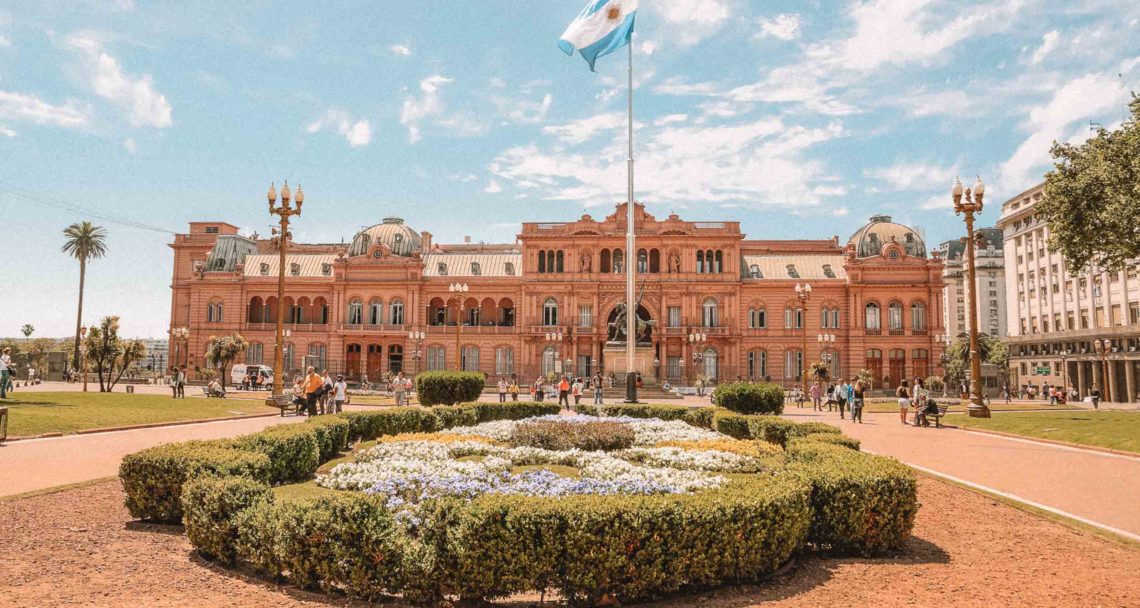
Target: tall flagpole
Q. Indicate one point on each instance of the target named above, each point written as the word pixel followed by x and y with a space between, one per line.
pixel 630 258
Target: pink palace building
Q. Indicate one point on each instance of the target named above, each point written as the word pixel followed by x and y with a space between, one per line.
pixel 717 304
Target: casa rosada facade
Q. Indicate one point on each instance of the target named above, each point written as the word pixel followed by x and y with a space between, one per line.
pixel 720 306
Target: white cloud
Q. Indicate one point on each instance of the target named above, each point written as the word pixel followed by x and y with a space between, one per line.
pixel 840 211
pixel 669 119
pixel 690 21
pixel 919 103
pixel 648 47
pixel 145 106
pixel 1048 43
pixel 462 177
pixel 427 105
pixel 1080 99
pixel 400 49
pixel 6 132
pixel 493 187
pixel 585 129
pixel 785 26
pixel 937 201
pixel 677 86
pixel 5 41
pixel 129 144
pixel 27 108
pixel 523 111
pixel 759 163
pixel 912 175
pixel 357 132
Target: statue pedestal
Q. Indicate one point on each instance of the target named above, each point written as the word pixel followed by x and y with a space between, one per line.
pixel 618 363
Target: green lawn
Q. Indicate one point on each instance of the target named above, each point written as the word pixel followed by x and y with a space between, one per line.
pixel 959 406
pixel 38 413
pixel 1115 430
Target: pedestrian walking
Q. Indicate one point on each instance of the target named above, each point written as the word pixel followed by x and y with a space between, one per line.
pixel 400 386
pixel 5 371
pixel 842 389
pixel 173 381
pixel 597 382
pixel 502 389
pixel 903 394
pixel 857 402
pixel 536 389
pixel 576 390
pixel 1094 394
pixel 514 390
pixel 564 392
pixel 340 394
pixel 313 383
pixel 182 379
pixel 816 398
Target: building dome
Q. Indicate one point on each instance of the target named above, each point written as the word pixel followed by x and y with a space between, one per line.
pixel 393 232
pixel 869 239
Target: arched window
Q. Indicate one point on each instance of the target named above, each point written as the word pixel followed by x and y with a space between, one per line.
pixel 542 261
pixel 355 312
pixel 896 371
pixel 700 262
pixel 654 260
pixel 396 312
pixel 834 318
pixel 710 361
pixel 894 316
pixel 320 311
pixel 642 261
pixel 549 360
pixel 558 261
pixel 920 360
pixel 754 271
pixel 918 315
pixel 825 318
pixel 504 360
pixel 757 318
pixel 619 260
pixel 872 317
pixel 214 312
pixel 793 318
pixel 550 261
pixel 550 312
pixel 604 261
pixel 719 262
pixel 375 312
pixel 875 365
pixel 256 310
pixel 757 364
pixel 709 317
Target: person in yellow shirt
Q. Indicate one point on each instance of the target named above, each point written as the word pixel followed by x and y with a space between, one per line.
pixel 313 383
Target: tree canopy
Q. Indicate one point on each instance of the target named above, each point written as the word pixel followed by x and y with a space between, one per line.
pixel 1092 198
pixel 109 354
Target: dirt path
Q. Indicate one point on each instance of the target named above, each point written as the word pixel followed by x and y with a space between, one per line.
pixel 79 548
pixel 1101 487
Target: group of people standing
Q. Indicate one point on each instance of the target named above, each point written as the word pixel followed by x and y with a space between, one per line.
pixel 917 398
pixel 178 381
pixel 567 387
pixel 316 393
pixel 841 396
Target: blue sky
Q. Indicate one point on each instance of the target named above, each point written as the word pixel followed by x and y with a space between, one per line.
pixel 800 119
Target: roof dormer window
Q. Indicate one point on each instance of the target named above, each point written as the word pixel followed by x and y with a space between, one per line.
pixel 326 269
pixel 828 272
pixel 295 269
pixel 509 268
pixel 264 269
pixel 754 271
pixel 792 272
pixel 475 270
pixel 441 269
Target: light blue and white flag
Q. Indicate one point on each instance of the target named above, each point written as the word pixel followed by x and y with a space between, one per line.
pixel 603 27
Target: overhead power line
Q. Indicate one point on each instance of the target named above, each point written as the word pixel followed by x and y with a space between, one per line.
pixel 32 196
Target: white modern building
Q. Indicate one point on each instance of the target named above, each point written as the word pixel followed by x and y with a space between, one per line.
pixel 990 261
pixel 1073 326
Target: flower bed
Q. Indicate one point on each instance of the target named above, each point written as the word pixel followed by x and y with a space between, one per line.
pixel 437 512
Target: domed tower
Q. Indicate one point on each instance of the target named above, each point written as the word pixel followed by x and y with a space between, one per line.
pixel 400 238
pixel 880 231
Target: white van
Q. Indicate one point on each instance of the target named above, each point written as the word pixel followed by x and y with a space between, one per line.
pixel 239 375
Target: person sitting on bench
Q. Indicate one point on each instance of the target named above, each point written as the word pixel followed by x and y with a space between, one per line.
pixel 215 389
pixel 929 407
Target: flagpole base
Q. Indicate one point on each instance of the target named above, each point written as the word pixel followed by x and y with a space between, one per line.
pixel 630 387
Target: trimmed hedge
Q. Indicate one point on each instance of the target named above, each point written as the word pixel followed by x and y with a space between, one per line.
pixel 213 508
pixel 696 416
pixel 584 547
pixel 861 503
pixel 455 415
pixel 449 388
pixel 512 410
pixel 832 438
pixel 769 428
pixel 748 398
pixel 369 425
pixel 293 451
pixel 153 478
pixel 331 433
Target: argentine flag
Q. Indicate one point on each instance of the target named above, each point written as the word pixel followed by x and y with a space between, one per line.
pixel 603 27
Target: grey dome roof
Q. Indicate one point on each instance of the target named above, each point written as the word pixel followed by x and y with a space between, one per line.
pixel 393 232
pixel 869 239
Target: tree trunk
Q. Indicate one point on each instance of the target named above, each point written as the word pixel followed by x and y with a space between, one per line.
pixel 76 361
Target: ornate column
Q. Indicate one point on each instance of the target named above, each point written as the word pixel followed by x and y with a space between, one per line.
pixel 1082 387
pixel 1110 392
pixel 1130 381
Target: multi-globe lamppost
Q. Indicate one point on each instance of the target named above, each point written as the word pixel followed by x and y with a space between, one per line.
pixel 969 202
pixel 458 289
pixel 283 211
pixel 803 293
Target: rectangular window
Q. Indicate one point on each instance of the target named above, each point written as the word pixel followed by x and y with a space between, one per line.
pixel 585 315
pixel 673 367
pixel 757 318
pixel 1084 319
pixel 504 361
pixel 1117 316
pixel 674 316
pixel 470 358
pixel 793 363
pixel 1134 312
pixel 435 358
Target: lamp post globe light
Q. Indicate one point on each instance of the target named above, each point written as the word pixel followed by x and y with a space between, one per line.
pixel 458 289
pixel 696 339
pixel 968 202
pixel 803 294
pixel 288 207
pixel 417 339
pixel 826 344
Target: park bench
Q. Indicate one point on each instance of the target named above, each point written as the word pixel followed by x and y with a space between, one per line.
pixel 209 395
pixel 942 408
pixel 283 402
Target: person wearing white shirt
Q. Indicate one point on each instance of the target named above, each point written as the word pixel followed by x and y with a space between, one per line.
pixel 5 371
pixel 340 394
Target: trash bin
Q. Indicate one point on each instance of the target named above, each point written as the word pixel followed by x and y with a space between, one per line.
pixel 130 389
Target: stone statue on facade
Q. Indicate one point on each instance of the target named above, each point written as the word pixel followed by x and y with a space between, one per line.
pixel 643 327
pixel 674 262
pixel 584 262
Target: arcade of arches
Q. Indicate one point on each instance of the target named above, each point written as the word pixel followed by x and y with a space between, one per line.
pixel 715 303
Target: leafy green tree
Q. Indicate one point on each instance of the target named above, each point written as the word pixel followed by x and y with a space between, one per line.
pixel 40 347
pixel 222 351
pixel 1092 198
pixel 820 371
pixel 83 241
pixel 867 377
pixel 991 349
pixel 109 354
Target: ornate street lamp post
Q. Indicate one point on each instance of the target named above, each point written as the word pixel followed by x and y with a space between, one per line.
pixel 696 339
pixel 970 203
pixel 826 342
pixel 417 339
pixel 554 338
pixel 1065 372
pixel 803 293
pixel 283 211
pixel 458 289
pixel 1101 348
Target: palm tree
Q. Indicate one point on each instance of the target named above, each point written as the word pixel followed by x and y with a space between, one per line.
pixel 84 241
pixel 27 330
